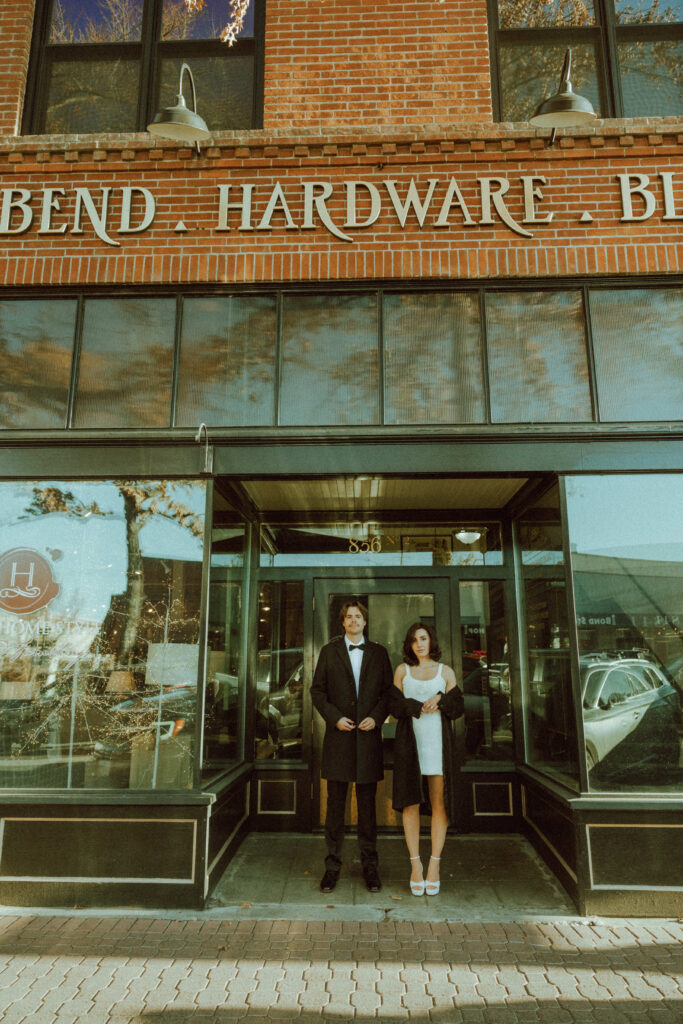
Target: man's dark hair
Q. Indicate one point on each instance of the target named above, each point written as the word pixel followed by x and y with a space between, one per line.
pixel 353 604
pixel 409 655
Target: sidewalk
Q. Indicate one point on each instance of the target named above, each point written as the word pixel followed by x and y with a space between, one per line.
pixel 501 948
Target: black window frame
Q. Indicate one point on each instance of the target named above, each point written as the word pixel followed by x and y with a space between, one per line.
pixel 149 51
pixel 605 35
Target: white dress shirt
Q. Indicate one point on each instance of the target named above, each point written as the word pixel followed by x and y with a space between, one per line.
pixel 356 660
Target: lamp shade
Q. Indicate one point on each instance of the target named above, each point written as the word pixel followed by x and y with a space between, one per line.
pixel 566 109
pixel 179 123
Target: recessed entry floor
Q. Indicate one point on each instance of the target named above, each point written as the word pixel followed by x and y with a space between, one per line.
pixel 483 878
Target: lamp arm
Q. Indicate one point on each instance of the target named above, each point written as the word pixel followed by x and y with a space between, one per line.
pixel 185 67
pixel 566 70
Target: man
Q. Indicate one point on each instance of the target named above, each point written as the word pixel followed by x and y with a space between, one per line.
pixel 351 688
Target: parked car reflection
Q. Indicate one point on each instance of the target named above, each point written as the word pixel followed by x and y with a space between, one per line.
pixel 145 741
pixel 631 720
pixel 488 716
pixel 279 724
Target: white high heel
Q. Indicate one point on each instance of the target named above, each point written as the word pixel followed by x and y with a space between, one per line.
pixel 432 888
pixel 417 888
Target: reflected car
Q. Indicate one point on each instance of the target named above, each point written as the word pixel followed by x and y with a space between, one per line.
pixel 280 682
pixel 631 712
pixel 161 715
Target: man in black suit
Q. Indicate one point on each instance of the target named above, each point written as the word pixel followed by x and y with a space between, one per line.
pixel 351 688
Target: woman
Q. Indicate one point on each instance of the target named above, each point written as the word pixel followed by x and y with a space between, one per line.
pixel 424 700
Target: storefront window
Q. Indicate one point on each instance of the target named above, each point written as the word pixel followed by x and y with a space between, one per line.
pixel 36 342
pixel 549 703
pixel 626 538
pixel 330 360
pixel 638 353
pixel 126 360
pixel 280 672
pixel 433 360
pixel 538 359
pixel 100 587
pixel 485 672
pixel 226 662
pixel 227 361
pixel 540 532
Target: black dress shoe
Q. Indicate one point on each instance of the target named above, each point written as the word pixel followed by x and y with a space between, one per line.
pixel 329 880
pixel 372 881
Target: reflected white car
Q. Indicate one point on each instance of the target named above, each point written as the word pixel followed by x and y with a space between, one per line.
pixel 630 711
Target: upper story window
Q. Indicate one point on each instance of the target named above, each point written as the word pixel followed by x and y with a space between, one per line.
pixel 627 55
pixel 109 65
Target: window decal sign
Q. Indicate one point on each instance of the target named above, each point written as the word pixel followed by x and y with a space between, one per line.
pixel 26 581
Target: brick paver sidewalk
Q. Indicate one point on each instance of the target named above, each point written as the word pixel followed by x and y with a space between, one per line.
pixel 57 970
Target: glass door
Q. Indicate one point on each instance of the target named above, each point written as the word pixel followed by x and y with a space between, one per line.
pixel 393 605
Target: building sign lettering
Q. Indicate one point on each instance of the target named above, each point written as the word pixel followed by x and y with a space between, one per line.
pixel 343 209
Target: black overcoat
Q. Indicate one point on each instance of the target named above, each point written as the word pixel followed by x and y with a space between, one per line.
pixel 352 756
pixel 409 785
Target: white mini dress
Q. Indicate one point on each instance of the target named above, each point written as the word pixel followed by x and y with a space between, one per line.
pixel 427 728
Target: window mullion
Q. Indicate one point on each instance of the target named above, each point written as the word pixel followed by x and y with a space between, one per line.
pixel 610 57
pixel 151 27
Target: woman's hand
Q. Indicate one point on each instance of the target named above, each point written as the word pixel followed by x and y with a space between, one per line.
pixel 431 704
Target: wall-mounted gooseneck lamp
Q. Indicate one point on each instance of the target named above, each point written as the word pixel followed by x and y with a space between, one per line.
pixel 177 122
pixel 566 109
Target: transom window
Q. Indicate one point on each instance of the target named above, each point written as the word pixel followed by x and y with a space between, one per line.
pixel 109 65
pixel 627 55
pixel 561 354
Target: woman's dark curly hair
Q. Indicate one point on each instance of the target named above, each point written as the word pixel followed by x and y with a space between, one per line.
pixel 409 655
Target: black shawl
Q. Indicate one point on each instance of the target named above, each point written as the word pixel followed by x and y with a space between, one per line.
pixel 409 785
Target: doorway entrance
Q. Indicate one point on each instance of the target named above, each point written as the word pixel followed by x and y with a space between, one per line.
pixel 393 606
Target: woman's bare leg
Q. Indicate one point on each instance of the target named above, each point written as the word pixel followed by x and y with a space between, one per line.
pixel 411 829
pixel 439 824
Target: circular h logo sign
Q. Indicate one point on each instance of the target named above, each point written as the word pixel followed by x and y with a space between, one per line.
pixel 26 582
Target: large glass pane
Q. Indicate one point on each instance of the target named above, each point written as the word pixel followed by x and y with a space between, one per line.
pixel 280 673
pixel 227 361
pixel 638 343
pixel 126 362
pixel 485 672
pixel 651 77
pixel 205 22
pixel 329 360
pixel 540 532
pixel 432 358
pixel 545 13
pixel 100 586
pixel 224 84
pixel 96 21
pixel 531 71
pixel 549 705
pixel 36 343
pixel 626 535
pixel 225 672
pixel 538 363
pixel 85 96
pixel 648 12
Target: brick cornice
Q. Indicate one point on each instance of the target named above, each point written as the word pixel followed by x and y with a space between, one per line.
pixel 421 144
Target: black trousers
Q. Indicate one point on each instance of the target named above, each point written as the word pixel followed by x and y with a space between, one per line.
pixel 335 827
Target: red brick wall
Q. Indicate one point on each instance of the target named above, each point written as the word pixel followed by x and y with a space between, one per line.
pixel 580 174
pixel 360 62
pixel 16 24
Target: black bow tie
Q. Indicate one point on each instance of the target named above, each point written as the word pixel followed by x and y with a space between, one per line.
pixel 356 647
